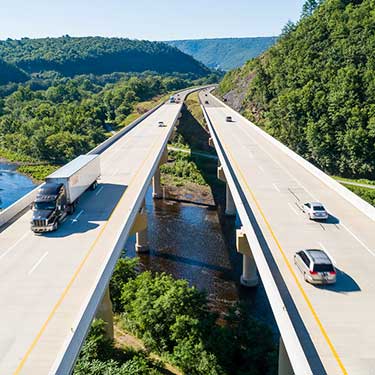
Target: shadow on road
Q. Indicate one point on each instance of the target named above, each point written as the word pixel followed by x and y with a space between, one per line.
pixel 344 284
pixel 96 206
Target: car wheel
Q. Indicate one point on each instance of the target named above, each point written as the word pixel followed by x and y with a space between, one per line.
pixel 305 277
pixel 309 217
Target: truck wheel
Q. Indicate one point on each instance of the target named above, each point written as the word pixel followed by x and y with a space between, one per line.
pixel 94 185
pixel 71 208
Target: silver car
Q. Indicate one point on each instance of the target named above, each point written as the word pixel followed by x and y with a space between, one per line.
pixel 316 266
pixel 315 211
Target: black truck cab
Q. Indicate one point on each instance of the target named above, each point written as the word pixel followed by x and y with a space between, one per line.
pixel 48 207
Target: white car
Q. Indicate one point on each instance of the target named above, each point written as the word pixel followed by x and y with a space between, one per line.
pixel 315 211
pixel 161 124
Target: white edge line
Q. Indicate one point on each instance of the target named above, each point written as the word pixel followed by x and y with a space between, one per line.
pixel 100 190
pixel 37 263
pixel 14 245
pixel 276 187
pixel 293 209
pixel 359 240
pixel 76 218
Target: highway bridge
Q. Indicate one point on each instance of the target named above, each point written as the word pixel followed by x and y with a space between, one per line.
pixel 53 285
pixel 325 330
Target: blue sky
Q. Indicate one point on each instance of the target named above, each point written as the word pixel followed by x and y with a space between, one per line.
pixel 146 19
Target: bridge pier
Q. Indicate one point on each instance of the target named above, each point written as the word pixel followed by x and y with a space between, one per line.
pixel 105 313
pixel 140 230
pixel 156 188
pixel 249 275
pixel 285 367
pixel 230 207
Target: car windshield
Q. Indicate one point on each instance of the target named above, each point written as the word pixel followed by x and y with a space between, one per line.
pixel 323 268
pixel 44 205
pixel 319 208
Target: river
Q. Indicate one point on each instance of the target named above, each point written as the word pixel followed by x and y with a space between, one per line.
pixel 189 241
pixel 13 185
pixel 197 243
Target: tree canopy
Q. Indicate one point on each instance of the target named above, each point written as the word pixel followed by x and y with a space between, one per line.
pixel 97 55
pixel 10 73
pixel 314 89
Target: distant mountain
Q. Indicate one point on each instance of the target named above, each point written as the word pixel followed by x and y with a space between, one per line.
pixel 224 53
pixel 10 73
pixel 71 56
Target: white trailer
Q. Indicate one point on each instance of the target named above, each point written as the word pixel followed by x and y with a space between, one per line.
pixel 77 176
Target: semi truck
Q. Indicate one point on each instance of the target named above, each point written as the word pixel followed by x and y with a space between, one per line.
pixel 58 196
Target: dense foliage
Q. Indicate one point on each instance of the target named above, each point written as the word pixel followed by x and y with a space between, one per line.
pixel 10 73
pixel 315 89
pixel 100 357
pixel 173 320
pixel 71 116
pixel 71 56
pixel 224 53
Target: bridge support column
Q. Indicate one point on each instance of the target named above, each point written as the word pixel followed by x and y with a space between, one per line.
pixel 249 275
pixel 230 208
pixel 140 230
pixel 156 189
pixel 105 313
pixel 285 367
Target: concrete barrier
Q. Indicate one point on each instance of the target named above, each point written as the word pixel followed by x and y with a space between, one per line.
pixel 17 207
pixel 352 198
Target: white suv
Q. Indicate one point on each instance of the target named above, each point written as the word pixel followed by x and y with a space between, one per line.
pixel 316 266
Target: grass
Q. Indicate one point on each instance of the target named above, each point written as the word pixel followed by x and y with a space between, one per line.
pixel 37 172
pixel 182 169
pixel 142 108
pixel 360 180
pixel 367 194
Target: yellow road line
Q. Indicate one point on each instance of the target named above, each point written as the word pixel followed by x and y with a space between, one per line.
pixel 299 285
pixel 78 270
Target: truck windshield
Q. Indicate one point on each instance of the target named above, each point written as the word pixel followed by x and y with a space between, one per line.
pixel 44 205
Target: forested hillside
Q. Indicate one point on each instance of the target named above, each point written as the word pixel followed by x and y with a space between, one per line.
pixel 71 56
pixel 224 53
pixel 71 116
pixel 10 73
pixel 315 88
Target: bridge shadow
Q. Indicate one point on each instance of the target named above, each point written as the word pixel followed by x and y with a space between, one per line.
pixel 97 206
pixel 190 262
pixel 344 284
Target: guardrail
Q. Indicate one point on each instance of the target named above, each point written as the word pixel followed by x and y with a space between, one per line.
pixel 292 343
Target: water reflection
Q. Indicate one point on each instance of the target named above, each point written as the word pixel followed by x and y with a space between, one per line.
pixel 198 244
